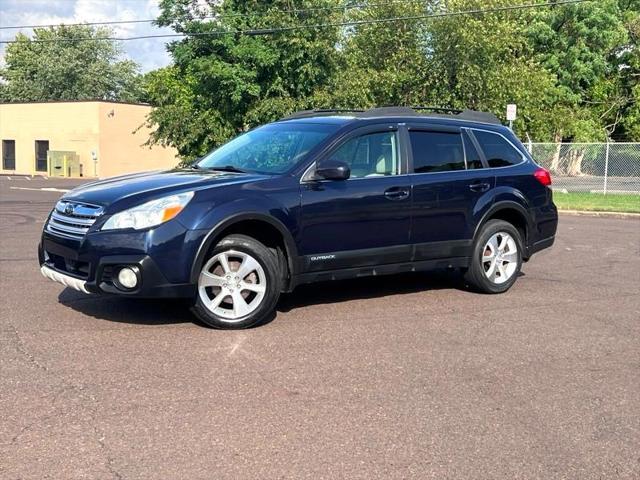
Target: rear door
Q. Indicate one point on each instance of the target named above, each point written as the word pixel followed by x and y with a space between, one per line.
pixel 365 220
pixel 450 183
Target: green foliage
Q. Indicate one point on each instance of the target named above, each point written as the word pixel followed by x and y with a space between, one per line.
pixel 597 202
pixel 588 47
pixel 58 66
pixel 572 69
pixel 221 85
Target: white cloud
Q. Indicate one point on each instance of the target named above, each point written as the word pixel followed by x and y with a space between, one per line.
pixel 150 54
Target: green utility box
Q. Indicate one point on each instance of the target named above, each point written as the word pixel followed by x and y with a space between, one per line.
pixel 64 164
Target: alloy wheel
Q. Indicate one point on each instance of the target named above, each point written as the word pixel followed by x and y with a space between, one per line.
pixel 500 258
pixel 232 284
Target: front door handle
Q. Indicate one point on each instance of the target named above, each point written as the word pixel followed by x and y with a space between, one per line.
pixel 397 193
pixel 479 187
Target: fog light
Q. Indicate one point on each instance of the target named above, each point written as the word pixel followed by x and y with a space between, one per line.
pixel 128 278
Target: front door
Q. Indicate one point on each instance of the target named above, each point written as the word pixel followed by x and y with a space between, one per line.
pixel 362 221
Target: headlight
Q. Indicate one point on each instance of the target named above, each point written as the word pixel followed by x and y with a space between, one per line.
pixel 149 214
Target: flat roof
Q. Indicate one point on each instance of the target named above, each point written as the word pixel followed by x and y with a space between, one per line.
pixel 75 101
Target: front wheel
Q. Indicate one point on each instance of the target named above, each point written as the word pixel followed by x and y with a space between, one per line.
pixel 496 259
pixel 238 285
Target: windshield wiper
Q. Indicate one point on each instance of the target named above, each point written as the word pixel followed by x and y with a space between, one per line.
pixel 226 168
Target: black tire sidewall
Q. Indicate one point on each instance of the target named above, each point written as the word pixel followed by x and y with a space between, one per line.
pixel 269 263
pixel 475 274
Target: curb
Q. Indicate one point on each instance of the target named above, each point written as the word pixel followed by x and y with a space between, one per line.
pixel 588 213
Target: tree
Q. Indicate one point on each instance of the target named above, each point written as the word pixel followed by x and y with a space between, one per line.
pixel 60 64
pixel 484 62
pixel 628 59
pixel 221 84
pixel 572 69
pixel 481 62
pixel 585 46
pixel 380 63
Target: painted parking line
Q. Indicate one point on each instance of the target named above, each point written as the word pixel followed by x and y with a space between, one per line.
pixel 44 189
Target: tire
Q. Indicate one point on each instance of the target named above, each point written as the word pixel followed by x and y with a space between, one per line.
pixel 485 273
pixel 238 285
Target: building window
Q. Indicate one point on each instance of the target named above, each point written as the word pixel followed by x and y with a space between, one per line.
pixel 42 147
pixel 8 154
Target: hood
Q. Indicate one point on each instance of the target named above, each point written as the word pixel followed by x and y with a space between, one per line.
pixel 149 185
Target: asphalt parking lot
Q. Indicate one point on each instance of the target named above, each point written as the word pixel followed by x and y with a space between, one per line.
pixel 398 377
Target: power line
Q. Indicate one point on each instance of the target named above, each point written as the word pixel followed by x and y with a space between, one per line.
pixel 274 30
pixel 221 16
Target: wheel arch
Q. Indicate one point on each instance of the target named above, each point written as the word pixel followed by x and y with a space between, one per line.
pixel 511 212
pixel 264 228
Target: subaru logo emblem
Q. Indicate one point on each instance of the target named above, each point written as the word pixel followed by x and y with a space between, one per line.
pixel 68 209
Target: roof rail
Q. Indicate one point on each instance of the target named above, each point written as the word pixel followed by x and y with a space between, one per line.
pixel 444 112
pixel 320 113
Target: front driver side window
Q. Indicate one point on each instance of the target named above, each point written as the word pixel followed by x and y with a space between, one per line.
pixel 371 155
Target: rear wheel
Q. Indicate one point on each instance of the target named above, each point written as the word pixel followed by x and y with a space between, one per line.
pixel 238 285
pixel 496 258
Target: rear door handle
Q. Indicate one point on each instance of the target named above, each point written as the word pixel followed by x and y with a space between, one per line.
pixel 479 187
pixel 397 193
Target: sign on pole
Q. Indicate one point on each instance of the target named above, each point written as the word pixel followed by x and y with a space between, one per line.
pixel 512 112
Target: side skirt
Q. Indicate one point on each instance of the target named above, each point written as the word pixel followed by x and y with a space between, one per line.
pixel 389 269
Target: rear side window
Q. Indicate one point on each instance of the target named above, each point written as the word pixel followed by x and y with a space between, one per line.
pixel 436 151
pixel 498 151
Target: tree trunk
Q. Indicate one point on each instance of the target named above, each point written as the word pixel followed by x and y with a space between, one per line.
pixel 574 167
pixel 555 160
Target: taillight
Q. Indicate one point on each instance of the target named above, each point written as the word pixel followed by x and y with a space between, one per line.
pixel 543 176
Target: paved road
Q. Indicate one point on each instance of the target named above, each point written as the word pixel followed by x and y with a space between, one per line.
pixel 596 184
pixel 398 377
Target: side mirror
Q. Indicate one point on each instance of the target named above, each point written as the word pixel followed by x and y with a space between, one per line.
pixel 333 170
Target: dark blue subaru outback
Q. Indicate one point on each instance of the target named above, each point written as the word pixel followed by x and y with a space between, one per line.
pixel 320 195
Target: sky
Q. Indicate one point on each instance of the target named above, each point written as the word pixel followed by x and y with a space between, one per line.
pixel 149 53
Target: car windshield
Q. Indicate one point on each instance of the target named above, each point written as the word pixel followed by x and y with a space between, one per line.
pixel 271 149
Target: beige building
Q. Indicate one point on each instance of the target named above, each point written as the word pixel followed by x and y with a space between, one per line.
pixel 73 139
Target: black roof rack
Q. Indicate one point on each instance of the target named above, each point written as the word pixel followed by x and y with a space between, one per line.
pixel 470 115
pixel 320 113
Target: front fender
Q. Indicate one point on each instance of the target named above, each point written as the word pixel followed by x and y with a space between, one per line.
pixel 220 219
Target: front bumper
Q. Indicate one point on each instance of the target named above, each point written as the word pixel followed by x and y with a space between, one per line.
pixel 91 266
pixel 64 279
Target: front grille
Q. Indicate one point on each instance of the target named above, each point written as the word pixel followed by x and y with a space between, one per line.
pixel 72 220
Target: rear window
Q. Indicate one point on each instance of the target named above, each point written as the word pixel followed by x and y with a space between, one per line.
pixel 436 151
pixel 499 152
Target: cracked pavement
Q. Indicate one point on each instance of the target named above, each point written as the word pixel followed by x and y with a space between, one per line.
pixel 408 376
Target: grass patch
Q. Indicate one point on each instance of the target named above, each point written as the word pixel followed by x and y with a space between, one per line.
pixel 597 202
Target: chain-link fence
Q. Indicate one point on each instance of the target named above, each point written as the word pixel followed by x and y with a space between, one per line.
pixel 604 168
